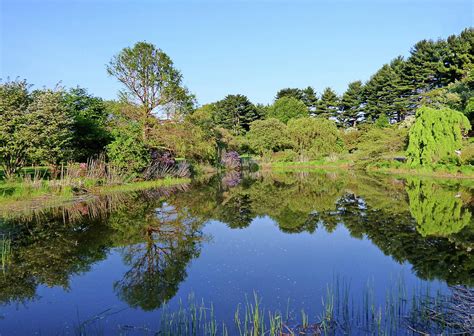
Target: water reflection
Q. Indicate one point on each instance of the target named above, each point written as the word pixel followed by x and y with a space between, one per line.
pixel 424 222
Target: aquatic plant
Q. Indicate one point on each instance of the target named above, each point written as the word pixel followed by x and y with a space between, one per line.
pixel 5 251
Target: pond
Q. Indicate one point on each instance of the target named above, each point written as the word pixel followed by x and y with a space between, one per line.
pixel 299 243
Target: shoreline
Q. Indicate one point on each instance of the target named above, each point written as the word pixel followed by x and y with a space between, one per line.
pixel 60 198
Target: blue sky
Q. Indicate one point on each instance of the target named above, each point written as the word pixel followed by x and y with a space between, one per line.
pixel 221 47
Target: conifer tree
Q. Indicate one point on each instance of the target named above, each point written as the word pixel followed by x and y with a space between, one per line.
pixel 328 105
pixel 236 112
pixel 351 104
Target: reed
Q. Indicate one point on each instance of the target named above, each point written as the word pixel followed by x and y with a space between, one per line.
pixel 5 251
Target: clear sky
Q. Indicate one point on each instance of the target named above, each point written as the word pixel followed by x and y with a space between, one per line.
pixel 221 47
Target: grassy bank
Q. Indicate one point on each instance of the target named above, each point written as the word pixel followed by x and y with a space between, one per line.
pixel 437 171
pixel 308 165
pixel 385 167
pixel 18 195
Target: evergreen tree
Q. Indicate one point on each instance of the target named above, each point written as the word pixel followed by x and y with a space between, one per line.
pixel 426 64
pixel 351 104
pixel 388 92
pixel 328 105
pixel 307 96
pixel 460 56
pixel 310 99
pixel 290 92
pixel 236 112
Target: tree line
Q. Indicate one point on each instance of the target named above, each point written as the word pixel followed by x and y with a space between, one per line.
pixel 156 118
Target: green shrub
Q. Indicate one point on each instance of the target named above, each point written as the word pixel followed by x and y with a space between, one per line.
pixel 268 135
pixel 288 155
pixel 315 137
pixel 467 154
pixel 127 152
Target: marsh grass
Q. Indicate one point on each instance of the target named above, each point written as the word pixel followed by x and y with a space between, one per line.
pixel 421 312
pixel 73 181
pixel 5 251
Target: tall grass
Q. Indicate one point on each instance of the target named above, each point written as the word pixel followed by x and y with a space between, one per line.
pixel 74 180
pixel 422 312
pixel 5 251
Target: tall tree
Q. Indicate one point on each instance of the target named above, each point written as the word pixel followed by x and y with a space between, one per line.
pixel 290 92
pixel 150 79
pixel 351 104
pixel 287 108
pixel 90 114
pixel 436 135
pixel 328 105
pixel 33 126
pixel 310 99
pixel 235 113
pixel 307 96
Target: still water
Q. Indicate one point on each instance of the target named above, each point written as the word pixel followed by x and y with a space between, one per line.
pixel 110 265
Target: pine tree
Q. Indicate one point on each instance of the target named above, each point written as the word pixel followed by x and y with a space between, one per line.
pixel 328 105
pixel 290 92
pixel 236 112
pixel 310 99
pixel 351 102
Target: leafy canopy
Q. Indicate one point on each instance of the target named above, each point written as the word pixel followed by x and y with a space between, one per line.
pixel 315 137
pixel 268 135
pixel 435 136
pixel 287 108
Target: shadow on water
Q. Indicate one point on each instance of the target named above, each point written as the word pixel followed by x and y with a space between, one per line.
pixel 424 222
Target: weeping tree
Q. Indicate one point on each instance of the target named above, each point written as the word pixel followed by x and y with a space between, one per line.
pixel 437 211
pixel 436 136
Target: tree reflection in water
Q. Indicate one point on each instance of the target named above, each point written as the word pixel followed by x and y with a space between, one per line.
pixel 424 222
pixel 171 239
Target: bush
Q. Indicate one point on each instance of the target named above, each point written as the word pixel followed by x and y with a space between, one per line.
pixel 315 137
pixel 467 154
pixel 288 155
pixel 378 143
pixel 268 135
pixel 127 151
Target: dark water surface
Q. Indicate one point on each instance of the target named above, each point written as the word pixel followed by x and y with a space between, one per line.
pixel 110 264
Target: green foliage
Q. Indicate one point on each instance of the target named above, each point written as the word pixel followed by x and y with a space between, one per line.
pixel 350 104
pixel 185 139
pixel 467 153
pixel 388 92
pixel 287 108
pixel 382 121
pixel 307 96
pixel 128 152
pixel 436 136
pixel 235 113
pixel 89 130
pixel 53 127
pixel 269 135
pixel 151 82
pixel 33 126
pixel 328 105
pixel 377 143
pixel 437 211
pixel 315 137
